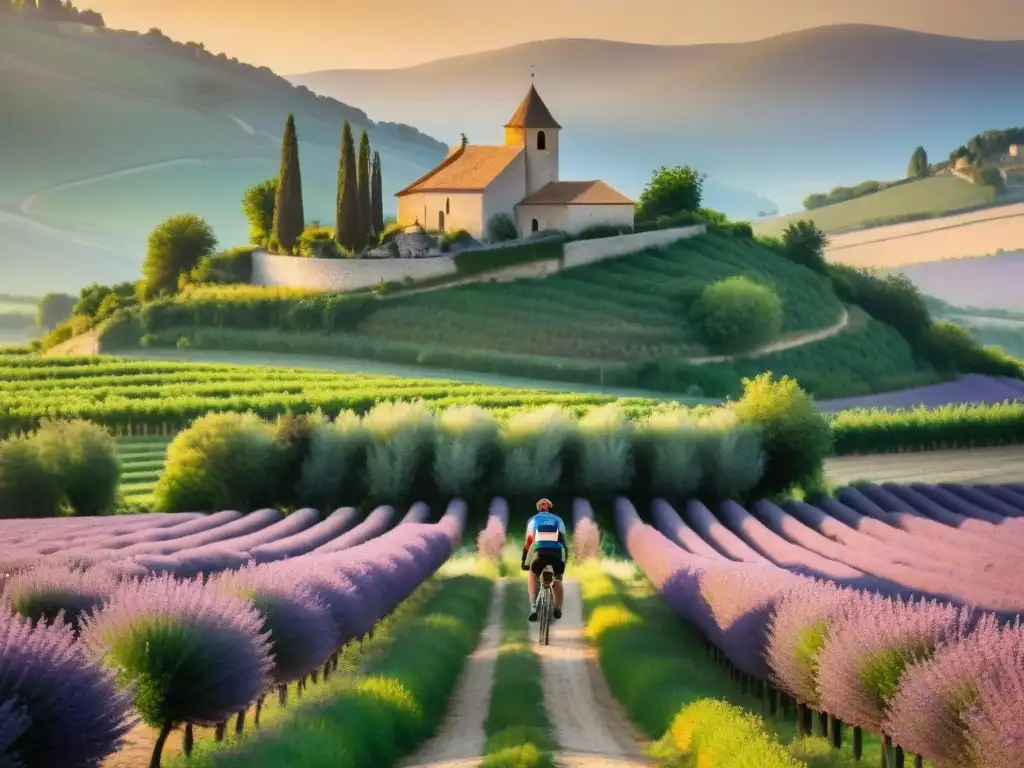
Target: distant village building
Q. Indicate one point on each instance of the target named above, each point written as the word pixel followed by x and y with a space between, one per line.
pixel 1014 150
pixel 475 183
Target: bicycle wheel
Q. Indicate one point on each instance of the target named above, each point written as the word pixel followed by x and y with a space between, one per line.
pixel 544 611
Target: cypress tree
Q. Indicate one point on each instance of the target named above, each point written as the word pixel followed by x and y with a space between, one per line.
pixel 289 219
pixel 363 182
pixel 346 219
pixel 377 196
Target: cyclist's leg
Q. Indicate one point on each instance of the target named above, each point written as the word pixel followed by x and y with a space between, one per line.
pixel 536 566
pixel 558 588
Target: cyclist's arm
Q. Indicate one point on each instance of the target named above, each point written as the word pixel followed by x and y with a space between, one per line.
pixel 528 544
pixel 563 538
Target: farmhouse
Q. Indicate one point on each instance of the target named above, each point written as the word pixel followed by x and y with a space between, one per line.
pixel 519 179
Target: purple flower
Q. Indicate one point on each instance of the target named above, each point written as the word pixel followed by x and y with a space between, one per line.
pixel 997 731
pixel 75 714
pixel 865 654
pixel 938 699
pixel 492 538
pixel 188 652
pixel 302 634
pixel 14 721
pixel 46 591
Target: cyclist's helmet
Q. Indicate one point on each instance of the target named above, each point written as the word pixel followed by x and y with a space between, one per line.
pixel 544 505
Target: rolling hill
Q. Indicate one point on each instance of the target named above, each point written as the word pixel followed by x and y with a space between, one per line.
pixel 106 133
pixel 784 116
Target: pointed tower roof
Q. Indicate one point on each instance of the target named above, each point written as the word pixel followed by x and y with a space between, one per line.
pixel 532 113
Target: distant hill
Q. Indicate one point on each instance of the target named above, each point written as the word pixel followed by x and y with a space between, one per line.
pixel 985 283
pixel 155 128
pixel 784 116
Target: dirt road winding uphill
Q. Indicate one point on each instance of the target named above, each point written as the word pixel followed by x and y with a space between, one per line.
pixel 460 742
pixel 590 726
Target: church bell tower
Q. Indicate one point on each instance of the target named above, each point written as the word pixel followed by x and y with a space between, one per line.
pixel 533 126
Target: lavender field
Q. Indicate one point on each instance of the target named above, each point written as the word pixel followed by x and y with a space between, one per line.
pixel 889 609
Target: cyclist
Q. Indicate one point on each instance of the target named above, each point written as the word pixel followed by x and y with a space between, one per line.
pixel 546 544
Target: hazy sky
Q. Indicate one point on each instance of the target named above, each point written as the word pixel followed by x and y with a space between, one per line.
pixel 304 35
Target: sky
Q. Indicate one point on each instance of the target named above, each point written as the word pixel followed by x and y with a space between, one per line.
pixel 300 36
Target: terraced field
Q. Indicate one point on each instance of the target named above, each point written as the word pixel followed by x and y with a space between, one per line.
pixel 142 461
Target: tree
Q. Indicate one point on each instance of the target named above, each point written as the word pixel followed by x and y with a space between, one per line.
pixel 258 206
pixel 918 167
pixel 53 309
pixel 289 219
pixel 377 196
pixel 737 315
pixel 346 218
pixel 805 244
pixel 463 141
pixel 175 248
pixel 670 191
pixel 363 188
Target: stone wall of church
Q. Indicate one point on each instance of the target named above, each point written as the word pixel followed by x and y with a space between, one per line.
pixel 582 252
pixel 338 275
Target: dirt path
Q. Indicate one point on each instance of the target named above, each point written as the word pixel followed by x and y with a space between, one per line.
pixel 589 724
pixel 460 741
pixel 974 465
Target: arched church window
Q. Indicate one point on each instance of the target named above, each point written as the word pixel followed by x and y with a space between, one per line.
pixel 535 226
pixel 542 140
pixel 448 205
pixel 440 221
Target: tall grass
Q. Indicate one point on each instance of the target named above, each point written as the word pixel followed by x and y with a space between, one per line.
pixel 400 436
pixel 605 463
pixel 670 442
pixel 733 459
pixel 465 444
pixel 332 475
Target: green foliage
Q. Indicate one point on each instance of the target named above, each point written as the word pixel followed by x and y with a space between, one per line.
pixel 83 459
pixel 466 445
pixel 53 309
pixel 535 443
pixel 668 447
pixel 918 166
pixel 294 435
pixel 175 248
pixel 517 729
pixel 598 231
pixel 319 243
pixel 795 436
pixel 289 217
pixel 950 347
pixel 501 228
pixel 332 475
pixel 476 262
pixel 223 461
pixel 987 176
pixel 737 315
pixel 231 267
pixel 376 196
pixel 363 192
pixel 28 485
pixel 346 214
pixel 400 436
pixel 92 296
pixel 605 464
pixel 731 454
pixel 805 244
pixel 258 206
pixel 671 191
pixel 459 237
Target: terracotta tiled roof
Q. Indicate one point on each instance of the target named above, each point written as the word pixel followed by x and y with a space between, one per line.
pixel 467 169
pixel 532 113
pixel 576 193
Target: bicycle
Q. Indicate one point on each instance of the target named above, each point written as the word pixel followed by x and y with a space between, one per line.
pixel 545 605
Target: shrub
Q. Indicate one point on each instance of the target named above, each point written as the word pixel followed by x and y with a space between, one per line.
pixel 400 437
pixel 597 231
pixel 795 436
pixel 804 243
pixel 74 715
pixel 224 268
pixel 459 237
pixel 53 309
pixel 500 228
pixel 534 443
pixel 175 248
pixel 737 315
pixel 29 486
pixel 319 243
pixel 294 438
pixel 604 453
pixel 224 460
pixel 474 262
pixel 84 458
pixel 331 473
pixel 671 191
pixel 189 653
pixel 731 454
pixel 465 446
pixel 668 448
pixel 950 347
pixel 258 207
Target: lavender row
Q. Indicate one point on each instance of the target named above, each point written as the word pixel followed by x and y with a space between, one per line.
pixel 208 649
pixel 937 678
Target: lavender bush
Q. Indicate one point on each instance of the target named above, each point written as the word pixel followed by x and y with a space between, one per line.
pixel 302 633
pixel 491 539
pixel 374 525
pixel 14 721
pixel 863 657
pixel 188 653
pixel 328 529
pixel 586 536
pixel 75 714
pixel 939 699
pixel 465 445
pixel 331 476
pixel 48 591
pixel 604 461
pixel 668 521
pixel 535 443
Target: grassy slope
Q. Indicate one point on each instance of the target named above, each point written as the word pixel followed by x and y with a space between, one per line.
pixel 134 105
pixel 935 195
pixel 619 310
